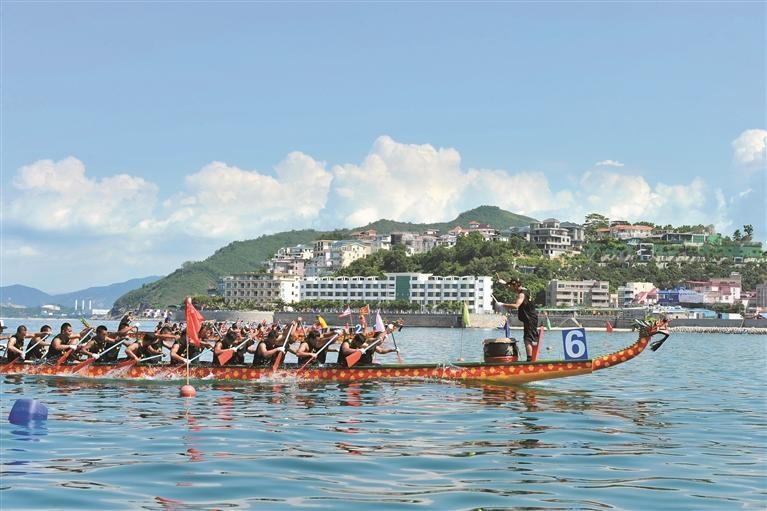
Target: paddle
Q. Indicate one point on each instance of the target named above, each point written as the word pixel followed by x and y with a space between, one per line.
pixel 277 360
pixel 131 361
pixel 23 355
pixel 355 357
pixel 71 348
pixel 396 349
pixel 197 356
pixel 33 346
pixel 318 352
pixel 228 353
pixel 89 360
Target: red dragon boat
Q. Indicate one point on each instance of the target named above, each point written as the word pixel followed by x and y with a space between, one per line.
pixel 493 369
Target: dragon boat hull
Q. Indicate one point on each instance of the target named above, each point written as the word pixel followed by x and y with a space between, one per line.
pixel 508 373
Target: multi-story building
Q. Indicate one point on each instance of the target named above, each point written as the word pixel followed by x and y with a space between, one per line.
pixel 625 231
pixel 761 296
pixel 487 231
pixel 261 288
pixel 718 290
pixel 637 293
pixel 422 288
pixel 551 238
pixel 414 243
pixel 569 293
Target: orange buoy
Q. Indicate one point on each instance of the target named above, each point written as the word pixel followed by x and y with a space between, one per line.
pixel 187 391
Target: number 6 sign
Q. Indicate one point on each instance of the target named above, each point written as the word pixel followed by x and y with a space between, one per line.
pixel 574 342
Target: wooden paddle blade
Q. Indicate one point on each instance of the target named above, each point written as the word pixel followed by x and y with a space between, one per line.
pixel 82 364
pixel 277 361
pixel 125 363
pixel 353 358
pixel 226 356
pixel 63 357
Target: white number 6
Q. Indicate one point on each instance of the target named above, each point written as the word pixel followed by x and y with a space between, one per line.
pixel 575 344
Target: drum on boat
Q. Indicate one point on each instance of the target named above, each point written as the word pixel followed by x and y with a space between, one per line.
pixel 501 350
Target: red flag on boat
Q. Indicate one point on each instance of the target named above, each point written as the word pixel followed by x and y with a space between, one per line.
pixel 609 327
pixel 365 309
pixel 346 313
pixel 193 322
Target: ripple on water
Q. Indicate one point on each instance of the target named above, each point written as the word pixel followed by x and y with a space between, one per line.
pixel 665 430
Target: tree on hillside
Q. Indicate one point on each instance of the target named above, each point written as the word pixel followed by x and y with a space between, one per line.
pixel 593 222
pixel 396 260
pixel 749 230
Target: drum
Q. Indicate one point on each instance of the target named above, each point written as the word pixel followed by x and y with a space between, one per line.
pixel 501 350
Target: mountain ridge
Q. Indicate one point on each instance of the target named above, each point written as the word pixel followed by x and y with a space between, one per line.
pixel 100 297
pixel 243 256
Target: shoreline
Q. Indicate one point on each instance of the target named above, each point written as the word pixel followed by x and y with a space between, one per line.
pixel 491 322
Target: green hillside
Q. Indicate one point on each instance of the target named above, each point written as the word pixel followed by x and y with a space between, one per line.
pixel 195 278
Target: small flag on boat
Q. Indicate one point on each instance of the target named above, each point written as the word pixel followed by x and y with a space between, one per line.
pixel 609 327
pixel 193 322
pixel 365 309
pixel 379 325
pixel 465 316
pixel 506 329
pixel 346 313
pixel 548 322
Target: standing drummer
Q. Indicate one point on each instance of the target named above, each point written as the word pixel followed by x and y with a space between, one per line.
pixel 526 313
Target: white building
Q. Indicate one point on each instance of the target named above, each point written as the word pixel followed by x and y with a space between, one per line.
pixel 422 288
pixel 260 288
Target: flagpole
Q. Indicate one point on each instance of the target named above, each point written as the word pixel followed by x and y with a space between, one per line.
pixel 193 322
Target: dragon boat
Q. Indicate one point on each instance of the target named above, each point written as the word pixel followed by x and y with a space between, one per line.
pixel 497 367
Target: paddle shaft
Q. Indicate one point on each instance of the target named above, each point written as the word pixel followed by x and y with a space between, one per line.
pixel 24 353
pixel 86 362
pixel 198 355
pixel 278 360
pixel 396 349
pixel 32 346
pixel 318 352
pixel 228 353
pixel 357 355
pixel 131 361
pixel 71 348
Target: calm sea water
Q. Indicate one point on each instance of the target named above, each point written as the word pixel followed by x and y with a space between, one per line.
pixel 684 428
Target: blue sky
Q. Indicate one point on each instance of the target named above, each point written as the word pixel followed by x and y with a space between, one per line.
pixel 137 136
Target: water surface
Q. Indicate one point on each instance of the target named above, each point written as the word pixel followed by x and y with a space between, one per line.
pixel 682 428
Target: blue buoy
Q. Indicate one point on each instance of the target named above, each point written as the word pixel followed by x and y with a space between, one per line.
pixel 25 411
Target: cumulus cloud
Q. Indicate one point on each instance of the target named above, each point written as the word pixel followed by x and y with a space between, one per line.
pixel 121 225
pixel 225 202
pixel 609 163
pixel 406 182
pixel 750 148
pixel 57 196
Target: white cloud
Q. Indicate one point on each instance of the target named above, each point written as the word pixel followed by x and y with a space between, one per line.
pixel 119 226
pixel 57 196
pixel 406 182
pixel 750 148
pixel 609 163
